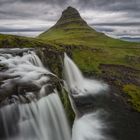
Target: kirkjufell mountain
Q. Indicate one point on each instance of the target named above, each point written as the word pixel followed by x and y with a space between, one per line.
pixel 71 28
pixel 70 16
pixel 70 20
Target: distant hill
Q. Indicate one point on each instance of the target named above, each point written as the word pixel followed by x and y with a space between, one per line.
pixel 10 41
pixel 131 39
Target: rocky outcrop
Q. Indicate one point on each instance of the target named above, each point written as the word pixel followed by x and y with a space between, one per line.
pixel 123 74
pixel 70 15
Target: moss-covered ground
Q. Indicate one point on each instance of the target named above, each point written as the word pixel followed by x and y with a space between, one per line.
pixel 133 93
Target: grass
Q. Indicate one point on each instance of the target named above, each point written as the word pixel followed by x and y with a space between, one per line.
pixel 82 35
pixel 133 92
pixel 89 60
pixel 13 41
pixel 67 105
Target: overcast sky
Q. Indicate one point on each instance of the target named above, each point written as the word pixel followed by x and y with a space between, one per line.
pixel 118 18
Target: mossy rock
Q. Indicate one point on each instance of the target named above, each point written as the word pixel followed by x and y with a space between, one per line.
pixel 133 92
pixel 67 106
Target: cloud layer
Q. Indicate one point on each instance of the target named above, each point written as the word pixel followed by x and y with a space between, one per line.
pixel 117 18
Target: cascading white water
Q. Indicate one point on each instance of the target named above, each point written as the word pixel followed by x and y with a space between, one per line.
pixel 24 78
pixel 41 119
pixel 89 126
pixel 79 85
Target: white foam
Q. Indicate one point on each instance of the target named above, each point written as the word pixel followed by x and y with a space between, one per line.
pixel 78 84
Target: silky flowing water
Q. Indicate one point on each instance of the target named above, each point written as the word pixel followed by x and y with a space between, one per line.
pixel 43 118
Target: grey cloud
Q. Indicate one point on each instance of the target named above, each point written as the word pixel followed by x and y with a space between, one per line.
pixel 37 29
pixel 3 2
pixel 21 10
pixel 117 24
pixel 112 5
pixel 50 11
pixel 53 2
pixel 13 15
pixel 105 5
pixel 100 29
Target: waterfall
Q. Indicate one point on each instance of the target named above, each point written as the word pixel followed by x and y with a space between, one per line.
pixel 42 120
pixel 23 74
pixel 88 126
pixel 79 85
pixel 32 110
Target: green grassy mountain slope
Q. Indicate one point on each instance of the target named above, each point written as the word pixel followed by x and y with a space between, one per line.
pixel 13 41
pixel 114 60
pixel 71 29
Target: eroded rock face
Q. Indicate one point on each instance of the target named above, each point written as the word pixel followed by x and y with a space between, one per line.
pixel 70 15
pixel 122 73
pixel 51 59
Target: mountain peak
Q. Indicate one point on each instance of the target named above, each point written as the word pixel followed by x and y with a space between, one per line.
pixel 69 23
pixel 70 15
pixel 70 11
